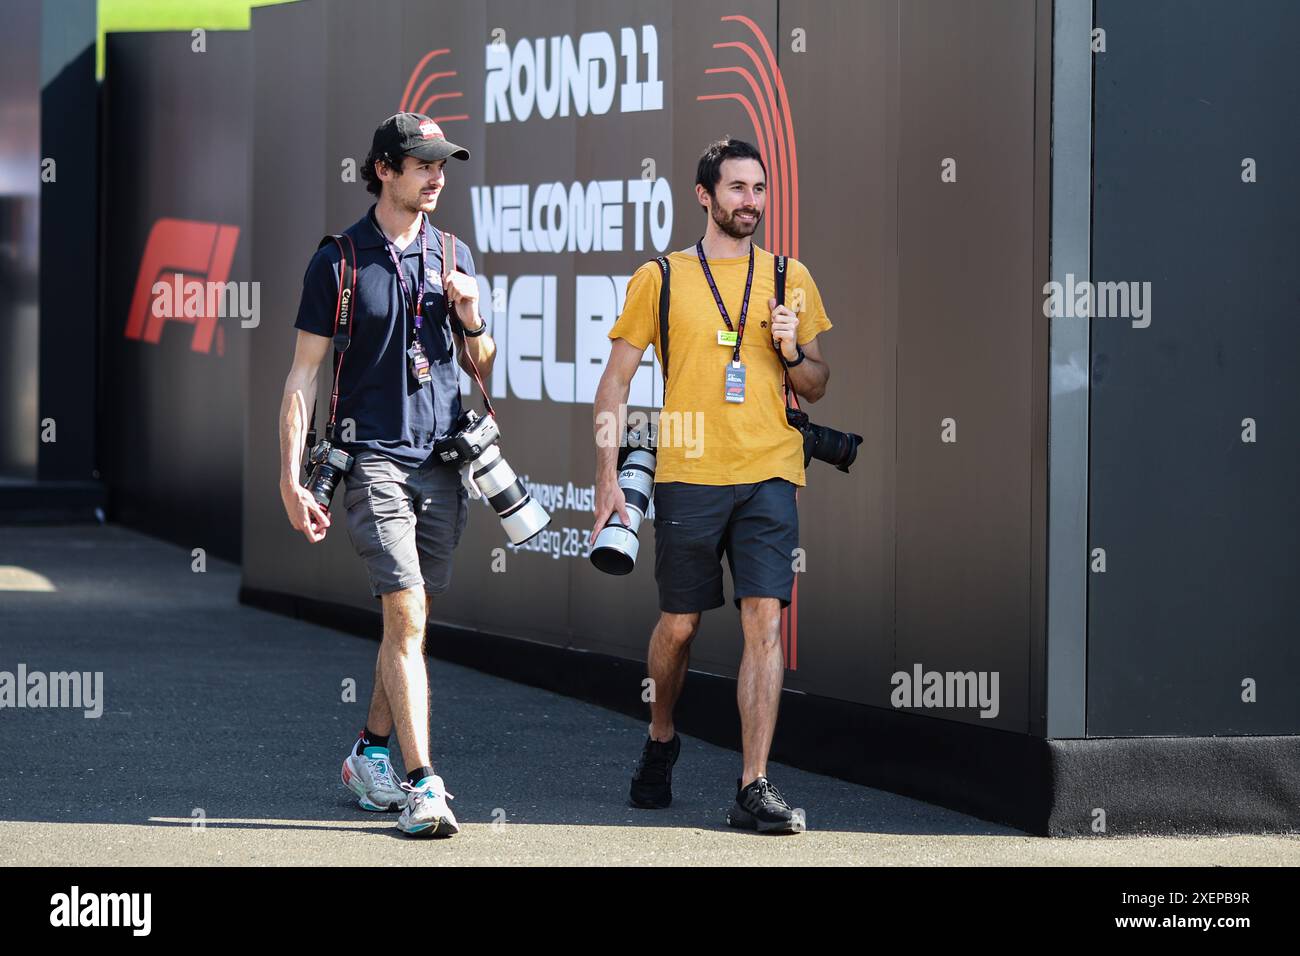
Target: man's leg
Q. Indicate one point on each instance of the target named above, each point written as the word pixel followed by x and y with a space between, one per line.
pixel 689 520
pixel 689 523
pixel 667 659
pixel 758 685
pixel 404 675
pixel 380 716
pixel 761 541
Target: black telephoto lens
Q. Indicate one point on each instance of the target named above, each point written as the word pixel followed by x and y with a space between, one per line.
pixel 834 447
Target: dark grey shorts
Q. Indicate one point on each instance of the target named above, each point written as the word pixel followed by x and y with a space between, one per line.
pixel 404 522
pixel 757 525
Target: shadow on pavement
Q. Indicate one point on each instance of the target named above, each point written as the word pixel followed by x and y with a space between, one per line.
pixel 212 706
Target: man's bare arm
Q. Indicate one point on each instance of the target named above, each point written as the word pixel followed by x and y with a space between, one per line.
pixel 463 292
pixel 483 349
pixel 611 394
pixel 810 376
pixel 295 408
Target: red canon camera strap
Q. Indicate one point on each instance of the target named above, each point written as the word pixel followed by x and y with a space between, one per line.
pixel 342 317
pixel 448 267
pixel 342 329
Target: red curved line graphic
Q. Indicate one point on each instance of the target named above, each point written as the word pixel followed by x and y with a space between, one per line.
pixel 787 162
pixel 424 107
pixel 416 72
pixel 767 142
pixel 753 117
pixel 789 127
pixel 425 85
pixel 779 159
pixel 792 620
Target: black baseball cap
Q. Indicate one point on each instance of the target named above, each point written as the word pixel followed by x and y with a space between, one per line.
pixel 414 134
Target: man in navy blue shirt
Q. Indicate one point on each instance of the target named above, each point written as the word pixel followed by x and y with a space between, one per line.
pixel 398 393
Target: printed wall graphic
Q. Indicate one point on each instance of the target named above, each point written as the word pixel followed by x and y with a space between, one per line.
pixel 768 109
pixel 422 99
pixel 179 301
pixel 179 255
pixel 586 122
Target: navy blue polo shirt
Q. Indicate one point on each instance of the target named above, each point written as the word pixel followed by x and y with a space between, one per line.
pixel 394 416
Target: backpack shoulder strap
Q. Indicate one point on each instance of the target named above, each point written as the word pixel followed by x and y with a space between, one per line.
pixel 665 300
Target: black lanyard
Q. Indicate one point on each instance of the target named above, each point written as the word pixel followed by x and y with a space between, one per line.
pixel 397 264
pixel 744 303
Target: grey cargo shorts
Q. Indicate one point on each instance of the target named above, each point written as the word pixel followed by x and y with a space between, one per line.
pixel 404 522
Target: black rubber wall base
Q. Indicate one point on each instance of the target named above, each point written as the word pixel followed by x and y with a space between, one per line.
pixel 1175 785
pixel 52 502
pixel 1156 785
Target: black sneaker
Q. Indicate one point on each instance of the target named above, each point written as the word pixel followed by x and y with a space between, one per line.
pixel 761 807
pixel 653 777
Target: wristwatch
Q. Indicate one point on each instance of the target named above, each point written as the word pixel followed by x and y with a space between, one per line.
pixel 482 327
pixel 799 349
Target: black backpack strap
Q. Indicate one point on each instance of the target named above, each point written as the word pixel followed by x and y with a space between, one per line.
pixel 665 299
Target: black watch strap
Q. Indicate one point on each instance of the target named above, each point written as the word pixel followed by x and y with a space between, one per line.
pixel 798 348
pixel 482 327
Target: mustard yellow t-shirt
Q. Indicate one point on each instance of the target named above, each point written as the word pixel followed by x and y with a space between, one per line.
pixel 723 443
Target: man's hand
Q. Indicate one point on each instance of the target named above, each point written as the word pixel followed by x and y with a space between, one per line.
pixel 462 292
pixel 611 396
pixel 785 328
pixel 609 498
pixel 305 514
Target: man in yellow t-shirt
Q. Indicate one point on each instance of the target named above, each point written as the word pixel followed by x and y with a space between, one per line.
pixel 728 463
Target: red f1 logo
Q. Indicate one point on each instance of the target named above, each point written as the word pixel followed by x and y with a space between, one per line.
pixel 201 250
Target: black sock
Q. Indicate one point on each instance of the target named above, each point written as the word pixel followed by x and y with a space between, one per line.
pixel 418 774
pixel 370 739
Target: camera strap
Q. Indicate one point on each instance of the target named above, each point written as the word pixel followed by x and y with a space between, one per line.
pixel 779 268
pixel 448 267
pixel 342 327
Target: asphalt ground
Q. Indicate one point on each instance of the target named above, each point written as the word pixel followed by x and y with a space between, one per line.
pixel 223 727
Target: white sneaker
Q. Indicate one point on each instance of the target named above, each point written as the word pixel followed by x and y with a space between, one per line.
pixel 370 777
pixel 427 813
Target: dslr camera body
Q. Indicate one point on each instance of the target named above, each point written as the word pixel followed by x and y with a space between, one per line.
pixel 327 465
pixel 473 448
